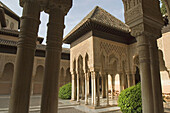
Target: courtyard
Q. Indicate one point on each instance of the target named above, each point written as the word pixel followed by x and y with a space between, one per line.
pixel 106 55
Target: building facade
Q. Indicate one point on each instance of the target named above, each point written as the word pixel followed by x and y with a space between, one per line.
pixel 9 36
pixel 103 57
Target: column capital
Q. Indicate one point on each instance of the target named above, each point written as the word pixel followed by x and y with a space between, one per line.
pixel 64 5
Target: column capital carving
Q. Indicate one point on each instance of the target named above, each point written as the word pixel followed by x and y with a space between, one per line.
pixel 64 5
pixel 41 3
pixel 141 17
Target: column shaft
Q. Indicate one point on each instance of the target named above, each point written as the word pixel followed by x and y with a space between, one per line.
pixel 20 95
pixel 155 74
pixel 129 79
pixel 95 89
pixel 92 89
pixel 98 89
pixel 133 79
pixel 121 82
pixel 73 97
pixel 103 87
pixel 113 85
pixel 78 88
pixel 145 72
pixel 107 89
pixel 49 103
pixel 83 88
pixel 86 90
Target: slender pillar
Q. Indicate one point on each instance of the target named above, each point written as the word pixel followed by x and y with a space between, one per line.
pixel 20 95
pixel 92 89
pixel 49 103
pixel 86 89
pixel 73 96
pixel 121 81
pixel 155 74
pixel 107 89
pixel 129 79
pixel 95 89
pixel 103 86
pixel 98 89
pixel 133 79
pixel 83 87
pixel 113 86
pixel 145 72
pixel 125 83
pixel 78 88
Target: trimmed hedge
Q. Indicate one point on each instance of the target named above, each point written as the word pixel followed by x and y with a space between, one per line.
pixel 130 100
pixel 65 91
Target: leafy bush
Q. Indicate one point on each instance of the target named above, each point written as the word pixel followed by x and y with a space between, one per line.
pixel 65 91
pixel 130 100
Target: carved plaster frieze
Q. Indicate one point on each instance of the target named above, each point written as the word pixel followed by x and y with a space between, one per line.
pixel 110 48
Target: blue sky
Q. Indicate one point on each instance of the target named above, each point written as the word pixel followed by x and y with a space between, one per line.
pixel 78 11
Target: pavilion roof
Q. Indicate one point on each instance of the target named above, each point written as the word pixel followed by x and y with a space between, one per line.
pixel 98 19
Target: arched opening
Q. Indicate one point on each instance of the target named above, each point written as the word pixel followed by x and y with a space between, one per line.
pixel 81 77
pixel 38 80
pixel 6 79
pixel 137 76
pixel 61 77
pixel 117 84
pixel 68 76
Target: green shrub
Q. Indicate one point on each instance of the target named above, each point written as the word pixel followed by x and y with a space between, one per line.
pixel 65 91
pixel 130 100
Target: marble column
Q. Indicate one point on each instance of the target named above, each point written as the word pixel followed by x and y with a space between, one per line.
pixel 73 96
pixel 78 88
pixel 95 88
pixel 88 83
pixel 92 88
pixel 145 72
pixel 107 90
pixel 49 103
pixel 125 81
pixel 133 79
pixel 83 86
pixel 155 74
pixel 121 81
pixel 113 85
pixel 103 86
pixel 86 89
pixel 98 88
pixel 20 95
pixel 129 79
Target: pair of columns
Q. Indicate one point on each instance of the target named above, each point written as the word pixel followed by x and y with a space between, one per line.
pixel 80 84
pixel 150 74
pixel 105 87
pixel 95 89
pixel 20 96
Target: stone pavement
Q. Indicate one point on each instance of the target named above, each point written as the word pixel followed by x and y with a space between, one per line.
pixel 65 106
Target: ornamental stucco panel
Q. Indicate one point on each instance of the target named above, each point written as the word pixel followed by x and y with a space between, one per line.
pixel 81 48
pixel 108 52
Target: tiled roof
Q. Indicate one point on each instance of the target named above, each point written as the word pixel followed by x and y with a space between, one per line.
pixel 38 47
pixel 102 17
